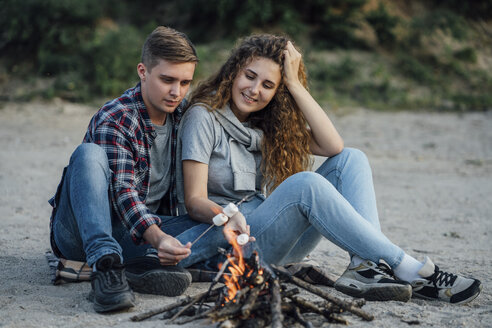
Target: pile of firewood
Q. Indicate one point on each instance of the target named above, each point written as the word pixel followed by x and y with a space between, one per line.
pixel 257 297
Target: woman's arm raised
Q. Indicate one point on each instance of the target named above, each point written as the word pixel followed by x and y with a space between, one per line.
pixel 326 141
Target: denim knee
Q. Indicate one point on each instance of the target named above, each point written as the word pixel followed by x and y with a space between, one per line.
pixel 90 154
pixel 355 155
pixel 305 180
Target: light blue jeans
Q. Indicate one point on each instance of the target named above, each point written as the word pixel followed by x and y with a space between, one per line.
pixel 84 227
pixel 336 202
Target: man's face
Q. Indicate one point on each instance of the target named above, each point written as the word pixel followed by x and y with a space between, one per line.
pixel 164 87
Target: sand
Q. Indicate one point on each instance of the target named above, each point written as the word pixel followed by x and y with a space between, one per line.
pixel 432 174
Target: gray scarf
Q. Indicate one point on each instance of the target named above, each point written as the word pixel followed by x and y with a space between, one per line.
pixel 243 140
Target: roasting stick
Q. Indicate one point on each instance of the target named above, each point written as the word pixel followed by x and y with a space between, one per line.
pixel 220 219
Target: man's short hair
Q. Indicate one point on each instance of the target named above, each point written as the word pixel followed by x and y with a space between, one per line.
pixel 169 44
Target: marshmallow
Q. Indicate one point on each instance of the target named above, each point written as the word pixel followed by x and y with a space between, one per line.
pixel 220 219
pixel 242 239
pixel 230 210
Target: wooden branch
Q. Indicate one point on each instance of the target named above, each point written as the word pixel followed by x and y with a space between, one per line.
pixel 348 306
pixel 182 302
pixel 165 308
pixel 298 316
pixel 250 301
pixel 316 309
pixel 196 299
pixel 231 308
pixel 277 316
pixel 202 315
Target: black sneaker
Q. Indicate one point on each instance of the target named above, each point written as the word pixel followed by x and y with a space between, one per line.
pixel 146 275
pixel 110 288
pixel 374 282
pixel 439 285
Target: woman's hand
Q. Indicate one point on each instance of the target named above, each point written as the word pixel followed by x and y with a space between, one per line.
pixel 326 141
pixel 292 60
pixel 236 226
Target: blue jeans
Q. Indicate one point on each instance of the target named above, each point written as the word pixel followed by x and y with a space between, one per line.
pixel 336 202
pixel 84 227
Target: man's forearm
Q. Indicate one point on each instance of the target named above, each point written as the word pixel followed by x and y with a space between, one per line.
pixel 153 235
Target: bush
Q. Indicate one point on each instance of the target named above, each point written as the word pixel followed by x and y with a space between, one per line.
pixel 414 69
pixel 383 24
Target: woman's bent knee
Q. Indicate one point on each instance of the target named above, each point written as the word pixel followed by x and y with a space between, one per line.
pixel 355 154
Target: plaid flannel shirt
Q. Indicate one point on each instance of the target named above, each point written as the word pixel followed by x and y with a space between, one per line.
pixel 122 127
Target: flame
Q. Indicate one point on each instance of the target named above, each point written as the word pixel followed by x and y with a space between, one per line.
pixel 237 268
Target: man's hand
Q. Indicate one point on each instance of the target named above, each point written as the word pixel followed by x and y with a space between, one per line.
pixel 169 250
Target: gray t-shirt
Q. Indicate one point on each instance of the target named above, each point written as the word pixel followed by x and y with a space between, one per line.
pixel 160 171
pixel 205 141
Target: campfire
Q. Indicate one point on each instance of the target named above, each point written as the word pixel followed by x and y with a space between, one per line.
pixel 256 294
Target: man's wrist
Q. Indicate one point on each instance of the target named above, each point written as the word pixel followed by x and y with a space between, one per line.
pixel 153 235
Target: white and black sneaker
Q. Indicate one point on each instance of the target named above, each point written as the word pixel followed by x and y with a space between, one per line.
pixel 373 282
pixel 439 285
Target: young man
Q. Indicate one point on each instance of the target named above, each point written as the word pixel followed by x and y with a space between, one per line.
pixel 122 176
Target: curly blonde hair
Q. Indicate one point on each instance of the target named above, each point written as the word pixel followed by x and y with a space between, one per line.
pixel 285 146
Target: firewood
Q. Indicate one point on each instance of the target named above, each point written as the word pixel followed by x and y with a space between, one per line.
pixel 230 323
pixel 277 316
pixel 231 308
pixel 298 316
pixel 203 314
pixel 314 308
pixel 290 292
pixel 250 301
pixel 348 306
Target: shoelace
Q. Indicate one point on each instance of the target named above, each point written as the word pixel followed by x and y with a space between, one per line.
pixel 440 277
pixel 113 277
pixel 385 269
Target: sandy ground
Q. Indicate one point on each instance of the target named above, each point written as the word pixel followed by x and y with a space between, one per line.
pixel 432 176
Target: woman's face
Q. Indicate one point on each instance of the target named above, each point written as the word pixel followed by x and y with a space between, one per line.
pixel 254 87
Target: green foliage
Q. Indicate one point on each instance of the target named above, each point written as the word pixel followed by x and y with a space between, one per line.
pixel 330 23
pixel 383 24
pixel 440 19
pixel 106 69
pixel 481 9
pixel 467 54
pixel 414 69
pixel 335 74
pixel 86 48
pixel 48 32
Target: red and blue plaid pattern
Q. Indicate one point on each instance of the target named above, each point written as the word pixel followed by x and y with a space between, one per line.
pixel 122 127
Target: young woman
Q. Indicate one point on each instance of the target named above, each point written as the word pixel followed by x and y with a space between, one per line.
pixel 252 127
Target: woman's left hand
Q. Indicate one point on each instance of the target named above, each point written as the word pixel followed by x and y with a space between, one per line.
pixel 236 226
pixel 292 61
